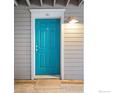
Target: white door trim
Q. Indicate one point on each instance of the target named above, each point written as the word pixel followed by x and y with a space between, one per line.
pixel 46 13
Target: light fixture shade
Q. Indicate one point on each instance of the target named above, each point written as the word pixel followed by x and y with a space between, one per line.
pixel 72 19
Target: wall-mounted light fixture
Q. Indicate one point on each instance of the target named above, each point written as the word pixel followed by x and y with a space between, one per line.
pixel 72 19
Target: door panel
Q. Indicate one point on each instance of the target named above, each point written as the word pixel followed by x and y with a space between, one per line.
pixel 47 46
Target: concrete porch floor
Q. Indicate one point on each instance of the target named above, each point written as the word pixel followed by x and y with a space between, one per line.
pixel 48 86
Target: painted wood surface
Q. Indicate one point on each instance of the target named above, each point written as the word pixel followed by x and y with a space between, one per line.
pixel 73 44
pixel 47 45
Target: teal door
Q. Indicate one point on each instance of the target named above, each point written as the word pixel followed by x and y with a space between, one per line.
pixel 47 46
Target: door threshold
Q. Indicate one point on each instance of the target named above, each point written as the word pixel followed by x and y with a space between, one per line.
pixel 47 77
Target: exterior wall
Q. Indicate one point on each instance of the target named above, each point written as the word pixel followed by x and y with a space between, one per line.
pixel 22 35
pixel 22 46
pixel 73 51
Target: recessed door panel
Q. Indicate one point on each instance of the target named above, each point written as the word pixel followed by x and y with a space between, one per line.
pixel 47 46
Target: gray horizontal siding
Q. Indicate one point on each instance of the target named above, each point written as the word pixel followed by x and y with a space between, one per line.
pixel 73 35
pixel 73 60
pixel 74 77
pixel 73 43
pixel 22 44
pixel 22 40
pixel 75 68
pixel 73 52
pixel 72 64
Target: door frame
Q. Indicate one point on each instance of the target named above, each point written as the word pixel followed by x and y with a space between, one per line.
pixel 47 14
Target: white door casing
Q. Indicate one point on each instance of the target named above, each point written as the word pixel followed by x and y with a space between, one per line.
pixel 46 13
